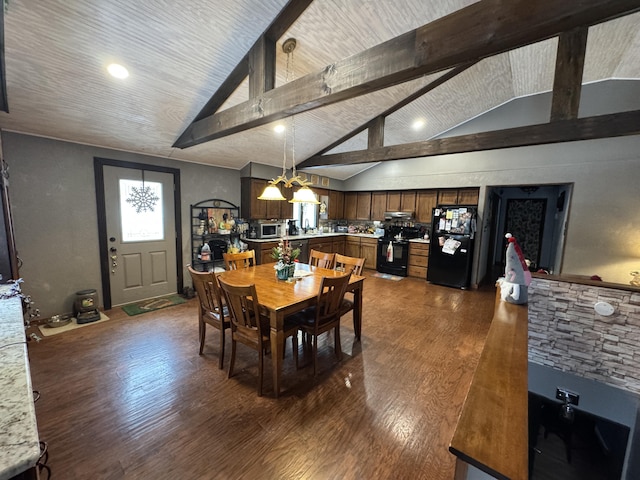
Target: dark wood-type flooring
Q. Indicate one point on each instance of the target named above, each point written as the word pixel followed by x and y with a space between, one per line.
pixel 131 398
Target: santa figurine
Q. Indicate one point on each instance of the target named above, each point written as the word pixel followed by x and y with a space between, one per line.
pixel 513 286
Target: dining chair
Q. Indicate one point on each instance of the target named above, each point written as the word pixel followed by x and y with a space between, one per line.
pixel 250 327
pixel 234 261
pixel 321 259
pixel 211 309
pixel 325 314
pixel 344 264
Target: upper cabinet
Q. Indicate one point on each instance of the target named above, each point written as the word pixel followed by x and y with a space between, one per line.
pixel 459 196
pixel 426 201
pixel 363 209
pixel 350 205
pixel 393 201
pixel 254 209
pixel 378 205
pixel 408 201
pixel 336 205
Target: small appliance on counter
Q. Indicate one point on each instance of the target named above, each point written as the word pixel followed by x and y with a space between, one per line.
pixel 268 230
pixel 292 227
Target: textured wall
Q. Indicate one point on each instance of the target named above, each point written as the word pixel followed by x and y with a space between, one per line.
pixel 567 334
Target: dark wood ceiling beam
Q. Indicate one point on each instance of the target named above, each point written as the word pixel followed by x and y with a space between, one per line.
pixel 410 98
pixel 262 67
pixel 287 17
pixel 376 133
pixel 567 83
pixel 590 128
pixel 480 30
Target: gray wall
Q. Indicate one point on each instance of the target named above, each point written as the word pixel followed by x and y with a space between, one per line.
pixel 52 192
pixel 604 220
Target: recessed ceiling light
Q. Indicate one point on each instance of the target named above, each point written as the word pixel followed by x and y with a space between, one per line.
pixel 279 128
pixel 117 71
pixel 418 124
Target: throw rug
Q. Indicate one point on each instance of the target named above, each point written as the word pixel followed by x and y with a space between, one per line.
pixel 48 331
pixel 152 304
pixel 387 276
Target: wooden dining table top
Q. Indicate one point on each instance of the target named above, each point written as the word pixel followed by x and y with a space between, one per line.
pixel 275 294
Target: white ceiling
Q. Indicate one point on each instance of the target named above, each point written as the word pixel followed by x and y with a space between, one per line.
pixel 179 52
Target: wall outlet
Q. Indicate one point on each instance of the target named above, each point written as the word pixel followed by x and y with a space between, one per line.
pixel 567 396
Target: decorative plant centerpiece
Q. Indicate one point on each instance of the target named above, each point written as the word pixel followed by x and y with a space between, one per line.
pixel 285 256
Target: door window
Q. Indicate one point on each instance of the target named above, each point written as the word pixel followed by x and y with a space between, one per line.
pixel 141 211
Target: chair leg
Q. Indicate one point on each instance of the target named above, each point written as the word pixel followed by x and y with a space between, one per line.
pixel 315 355
pixel 260 366
pixel 232 361
pixel 294 346
pixel 338 347
pixel 221 360
pixel 202 330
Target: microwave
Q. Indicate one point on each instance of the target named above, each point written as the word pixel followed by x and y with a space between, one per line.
pixel 269 230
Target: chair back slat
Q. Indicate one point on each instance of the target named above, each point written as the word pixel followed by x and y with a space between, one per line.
pixel 206 286
pixel 234 261
pixel 321 259
pixel 353 264
pixel 244 309
pixel 330 297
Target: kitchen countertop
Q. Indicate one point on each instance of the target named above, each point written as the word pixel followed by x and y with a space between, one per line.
pixel 19 442
pixel 308 236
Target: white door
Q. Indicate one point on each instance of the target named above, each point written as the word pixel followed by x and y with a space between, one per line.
pixel 141 233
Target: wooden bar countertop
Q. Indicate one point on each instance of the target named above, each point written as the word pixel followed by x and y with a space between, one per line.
pixel 492 432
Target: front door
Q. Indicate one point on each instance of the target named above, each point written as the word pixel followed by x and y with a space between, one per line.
pixel 141 233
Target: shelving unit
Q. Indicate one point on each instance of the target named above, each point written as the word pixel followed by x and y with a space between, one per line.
pixel 204 215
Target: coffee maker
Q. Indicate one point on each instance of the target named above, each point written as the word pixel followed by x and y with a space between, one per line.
pixel 293 229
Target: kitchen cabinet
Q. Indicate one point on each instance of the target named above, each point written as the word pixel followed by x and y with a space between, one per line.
pixel 378 205
pixel 336 205
pixel 459 196
pixel 363 208
pixel 350 205
pixel 418 259
pixel 408 201
pixel 338 245
pixel 263 250
pixel 324 244
pixel 254 209
pixel 393 201
pixel 426 201
pixel 362 247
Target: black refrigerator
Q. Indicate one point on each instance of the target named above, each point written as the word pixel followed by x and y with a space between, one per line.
pixel 451 251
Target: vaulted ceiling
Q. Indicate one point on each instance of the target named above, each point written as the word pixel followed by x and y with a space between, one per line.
pixel 179 53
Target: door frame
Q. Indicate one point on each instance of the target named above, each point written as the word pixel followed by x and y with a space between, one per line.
pixel 98 170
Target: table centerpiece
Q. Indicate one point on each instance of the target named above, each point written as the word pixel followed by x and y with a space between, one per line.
pixel 285 257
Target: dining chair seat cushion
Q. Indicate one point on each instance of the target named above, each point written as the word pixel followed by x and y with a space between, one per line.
pixel 346 307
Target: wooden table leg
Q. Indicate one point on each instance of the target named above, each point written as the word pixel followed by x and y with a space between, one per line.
pixel 357 311
pixel 277 349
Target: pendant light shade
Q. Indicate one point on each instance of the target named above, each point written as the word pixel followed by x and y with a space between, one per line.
pixel 304 195
pixel 271 192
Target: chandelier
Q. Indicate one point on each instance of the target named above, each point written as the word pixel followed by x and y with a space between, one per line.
pixel 304 194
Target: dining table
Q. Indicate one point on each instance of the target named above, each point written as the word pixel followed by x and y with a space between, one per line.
pixel 280 298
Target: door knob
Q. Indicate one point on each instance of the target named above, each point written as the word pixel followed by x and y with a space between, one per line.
pixel 113 249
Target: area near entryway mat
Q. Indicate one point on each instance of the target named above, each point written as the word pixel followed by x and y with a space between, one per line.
pixel 152 304
pixel 48 331
pixel 386 276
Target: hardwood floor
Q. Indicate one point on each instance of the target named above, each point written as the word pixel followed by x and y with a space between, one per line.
pixel 131 398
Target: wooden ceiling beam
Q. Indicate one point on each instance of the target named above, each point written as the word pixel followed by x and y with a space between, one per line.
pixel 590 128
pixel 482 29
pixel 257 58
pixel 567 83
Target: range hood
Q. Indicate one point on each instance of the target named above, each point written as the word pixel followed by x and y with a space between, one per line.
pixel 398 215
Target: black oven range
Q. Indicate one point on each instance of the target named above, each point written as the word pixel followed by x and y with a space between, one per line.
pixel 393 249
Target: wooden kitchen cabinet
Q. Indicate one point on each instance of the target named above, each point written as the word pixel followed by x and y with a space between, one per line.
pixel 418 259
pixel 352 246
pixel 254 209
pixel 393 201
pixel 324 244
pixel 378 205
pixel 448 197
pixel 336 205
pixel 369 251
pixel 263 250
pixel 350 205
pixel 468 196
pixel 338 245
pixel 363 208
pixel 408 201
pixel 426 201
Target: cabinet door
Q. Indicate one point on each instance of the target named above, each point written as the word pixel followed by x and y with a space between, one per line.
pixel 426 201
pixel 468 196
pixel 258 208
pixel 369 251
pixel 448 197
pixel 408 201
pixel 336 205
pixel 350 205
pixel 272 208
pixel 338 245
pixel 286 208
pixel 363 211
pixel 352 247
pixel 321 245
pixel 378 205
pixel 393 201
